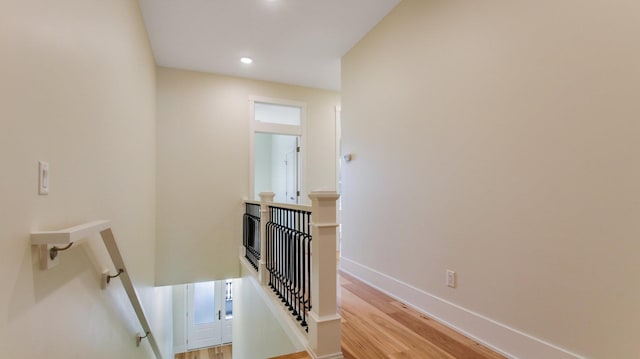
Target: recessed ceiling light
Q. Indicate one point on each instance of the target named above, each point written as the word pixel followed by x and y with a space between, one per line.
pixel 246 60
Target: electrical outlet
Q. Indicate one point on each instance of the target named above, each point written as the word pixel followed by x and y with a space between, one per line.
pixel 451 278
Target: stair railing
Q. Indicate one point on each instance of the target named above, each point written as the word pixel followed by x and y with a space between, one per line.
pixel 50 243
pixel 251 233
pixel 297 261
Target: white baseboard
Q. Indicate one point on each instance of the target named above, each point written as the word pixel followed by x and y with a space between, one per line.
pixel 331 356
pixel 497 336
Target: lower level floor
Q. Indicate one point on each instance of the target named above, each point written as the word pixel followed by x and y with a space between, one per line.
pixel 220 352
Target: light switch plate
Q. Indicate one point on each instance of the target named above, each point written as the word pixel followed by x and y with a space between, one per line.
pixel 43 178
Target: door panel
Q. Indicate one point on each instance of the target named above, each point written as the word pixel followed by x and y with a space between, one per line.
pixel 277 166
pixel 204 326
pixel 291 178
pixel 208 318
pixel 227 317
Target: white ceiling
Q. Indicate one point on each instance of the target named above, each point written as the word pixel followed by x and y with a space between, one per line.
pixel 291 41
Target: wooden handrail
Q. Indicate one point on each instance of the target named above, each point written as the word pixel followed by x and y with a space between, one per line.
pixel 47 241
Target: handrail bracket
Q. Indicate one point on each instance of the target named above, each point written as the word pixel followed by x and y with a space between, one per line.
pixel 106 278
pixel 53 252
pixel 139 338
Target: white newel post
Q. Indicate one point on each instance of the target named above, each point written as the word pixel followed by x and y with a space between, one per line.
pixel 266 198
pixel 324 321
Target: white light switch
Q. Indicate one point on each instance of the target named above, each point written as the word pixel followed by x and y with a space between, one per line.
pixel 43 179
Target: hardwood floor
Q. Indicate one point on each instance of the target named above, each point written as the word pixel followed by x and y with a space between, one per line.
pixel 377 326
pixel 299 355
pixel 223 352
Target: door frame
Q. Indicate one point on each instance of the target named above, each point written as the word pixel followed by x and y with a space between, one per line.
pixel 278 129
pixel 339 164
pixel 296 175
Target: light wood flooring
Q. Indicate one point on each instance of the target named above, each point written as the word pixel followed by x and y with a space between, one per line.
pixel 299 355
pixel 377 326
pixel 223 352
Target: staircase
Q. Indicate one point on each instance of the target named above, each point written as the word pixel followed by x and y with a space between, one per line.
pixel 295 249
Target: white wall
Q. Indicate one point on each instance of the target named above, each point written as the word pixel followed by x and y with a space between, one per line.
pixel 179 320
pixel 262 164
pixel 78 91
pixel 257 333
pixel 203 166
pixel 500 139
pixel 161 319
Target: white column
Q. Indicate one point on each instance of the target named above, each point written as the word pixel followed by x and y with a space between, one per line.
pixel 265 199
pixel 324 321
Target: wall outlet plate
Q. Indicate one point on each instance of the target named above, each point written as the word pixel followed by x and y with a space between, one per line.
pixel 451 278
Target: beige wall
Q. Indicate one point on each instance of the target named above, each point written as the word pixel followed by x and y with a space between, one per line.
pixel 203 166
pixel 501 139
pixel 77 89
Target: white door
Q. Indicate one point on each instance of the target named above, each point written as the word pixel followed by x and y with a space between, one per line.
pixel 209 314
pixel 277 166
pixel 276 124
pixel 227 314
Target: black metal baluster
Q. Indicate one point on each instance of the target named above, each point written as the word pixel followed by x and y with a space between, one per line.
pixel 308 274
pixel 277 250
pixel 278 253
pixel 287 257
pixel 269 245
pixel 286 261
pixel 274 229
pixel 251 234
pixel 292 256
pixel 269 248
pixel 296 273
pixel 283 241
pixel 304 276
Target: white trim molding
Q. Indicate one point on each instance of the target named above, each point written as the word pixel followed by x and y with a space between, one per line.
pixel 290 130
pixel 497 336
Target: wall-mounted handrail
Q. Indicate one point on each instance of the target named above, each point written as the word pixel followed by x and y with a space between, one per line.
pixel 68 236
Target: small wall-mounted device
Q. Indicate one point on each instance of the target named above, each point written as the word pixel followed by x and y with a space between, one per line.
pixel 451 278
pixel 348 157
pixel 43 178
